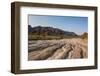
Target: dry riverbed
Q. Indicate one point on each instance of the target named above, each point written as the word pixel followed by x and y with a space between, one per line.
pixel 75 48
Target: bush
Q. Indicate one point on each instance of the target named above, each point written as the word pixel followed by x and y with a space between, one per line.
pixel 84 36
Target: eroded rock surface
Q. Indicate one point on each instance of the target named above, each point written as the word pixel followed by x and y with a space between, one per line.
pixel 58 49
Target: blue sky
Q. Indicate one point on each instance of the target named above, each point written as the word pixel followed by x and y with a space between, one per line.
pixel 79 25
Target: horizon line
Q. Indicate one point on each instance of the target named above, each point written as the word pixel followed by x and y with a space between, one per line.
pixel 56 28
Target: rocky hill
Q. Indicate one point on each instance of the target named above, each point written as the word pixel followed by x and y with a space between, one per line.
pixel 40 30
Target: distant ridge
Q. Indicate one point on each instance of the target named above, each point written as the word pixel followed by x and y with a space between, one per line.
pixel 41 30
